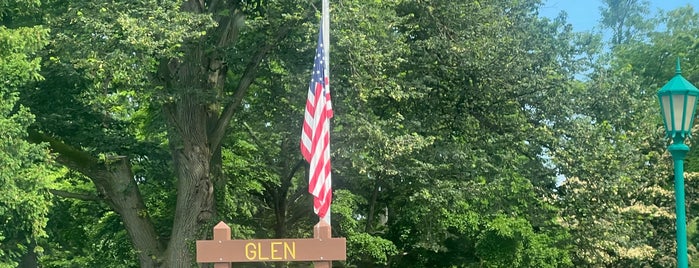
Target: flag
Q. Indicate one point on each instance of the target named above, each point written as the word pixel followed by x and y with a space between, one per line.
pixel 315 137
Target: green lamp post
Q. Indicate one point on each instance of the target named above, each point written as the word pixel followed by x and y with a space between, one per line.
pixel 678 100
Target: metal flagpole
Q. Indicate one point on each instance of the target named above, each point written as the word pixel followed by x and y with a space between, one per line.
pixel 323 229
pixel 325 20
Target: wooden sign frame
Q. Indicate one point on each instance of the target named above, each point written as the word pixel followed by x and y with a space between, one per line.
pixel 322 249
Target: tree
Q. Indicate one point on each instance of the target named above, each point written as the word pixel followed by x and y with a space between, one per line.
pixel 421 171
pixel 612 151
pixel 625 18
pixel 178 63
pixel 614 199
pixel 25 173
pixel 674 38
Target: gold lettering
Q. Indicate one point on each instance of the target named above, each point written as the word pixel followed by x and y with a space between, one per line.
pixel 290 250
pixel 250 252
pixel 254 251
pixel 274 250
pixel 259 251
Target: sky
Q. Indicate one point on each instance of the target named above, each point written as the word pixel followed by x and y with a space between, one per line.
pixel 584 15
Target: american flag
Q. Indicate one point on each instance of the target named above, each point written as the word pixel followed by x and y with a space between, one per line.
pixel 315 137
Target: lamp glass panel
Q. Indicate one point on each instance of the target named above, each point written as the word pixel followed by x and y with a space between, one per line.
pixel 689 111
pixel 678 109
pixel 666 112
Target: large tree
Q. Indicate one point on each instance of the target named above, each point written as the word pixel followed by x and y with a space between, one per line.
pixel 180 67
pixel 445 154
pixel 612 150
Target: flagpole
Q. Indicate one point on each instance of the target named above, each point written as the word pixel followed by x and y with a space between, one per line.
pixel 325 20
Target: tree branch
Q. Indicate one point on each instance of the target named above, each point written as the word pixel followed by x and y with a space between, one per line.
pixel 67 155
pixel 114 180
pixel 296 167
pixel 256 140
pixel 79 196
pixel 217 132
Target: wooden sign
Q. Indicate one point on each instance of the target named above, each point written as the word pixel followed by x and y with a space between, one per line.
pixel 321 248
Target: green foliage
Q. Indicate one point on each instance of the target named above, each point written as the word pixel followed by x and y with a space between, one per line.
pixel 122 43
pixel 24 177
pixel 364 246
pixel 25 173
pixel 413 130
pixel 364 249
pixel 461 136
pixel 86 233
pixel 617 197
pixel 626 20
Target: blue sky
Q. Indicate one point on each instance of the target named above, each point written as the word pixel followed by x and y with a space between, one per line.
pixel 584 14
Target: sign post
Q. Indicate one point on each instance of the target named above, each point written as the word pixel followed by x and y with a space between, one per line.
pixel 322 249
pixel 321 231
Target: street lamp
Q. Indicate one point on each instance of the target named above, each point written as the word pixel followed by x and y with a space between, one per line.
pixel 678 100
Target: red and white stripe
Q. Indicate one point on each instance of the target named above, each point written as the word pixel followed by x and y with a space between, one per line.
pixel 316 148
pixel 315 137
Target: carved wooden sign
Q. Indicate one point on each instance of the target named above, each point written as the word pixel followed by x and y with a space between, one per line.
pixel 321 248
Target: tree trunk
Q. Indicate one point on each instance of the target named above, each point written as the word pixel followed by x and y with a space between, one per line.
pixel 191 156
pixel 124 197
pixel 30 259
pixel 113 179
pixel 372 207
pixel 197 126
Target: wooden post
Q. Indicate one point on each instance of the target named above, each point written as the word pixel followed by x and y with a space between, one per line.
pixel 322 231
pixel 221 233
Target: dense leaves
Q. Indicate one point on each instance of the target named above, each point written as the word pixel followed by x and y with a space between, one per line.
pixel 466 133
pixel 25 173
